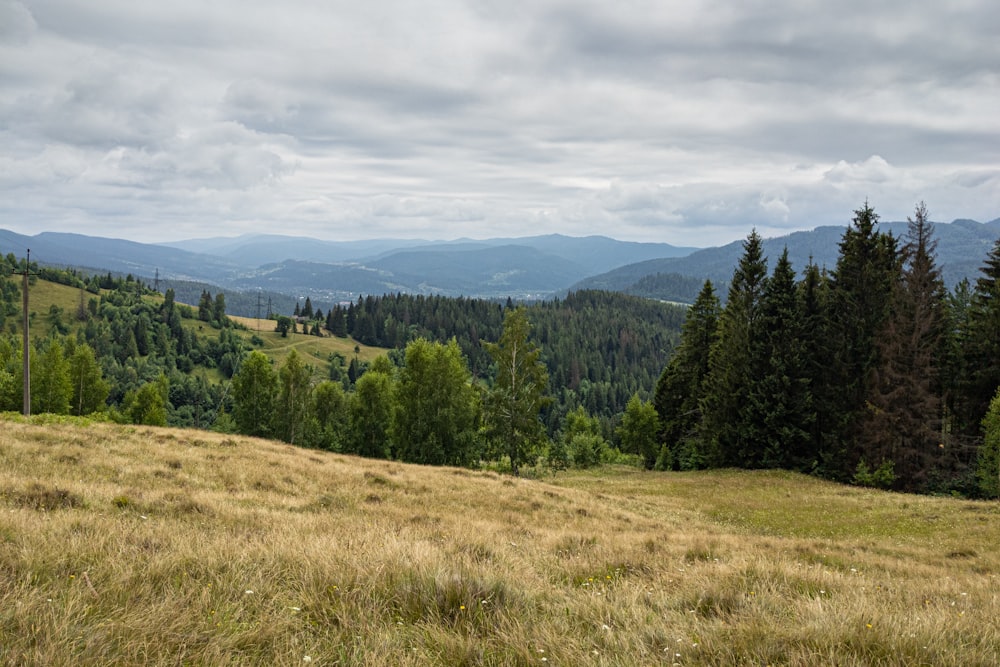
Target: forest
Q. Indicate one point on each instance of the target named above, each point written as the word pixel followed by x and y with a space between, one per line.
pixel 871 372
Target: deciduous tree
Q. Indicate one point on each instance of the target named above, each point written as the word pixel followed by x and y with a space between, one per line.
pixel 255 387
pixel 518 393
pixel 638 430
pixel 437 408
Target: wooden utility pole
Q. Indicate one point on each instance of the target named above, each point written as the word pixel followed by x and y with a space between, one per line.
pixel 26 349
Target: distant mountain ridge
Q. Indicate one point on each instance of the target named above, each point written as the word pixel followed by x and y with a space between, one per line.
pixel 961 251
pixel 521 268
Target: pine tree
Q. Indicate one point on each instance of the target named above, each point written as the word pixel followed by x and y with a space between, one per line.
pixel 981 346
pixel 779 412
pixel 903 419
pixel 817 352
pixel 730 375
pixel 680 388
pixel 205 306
pixel 860 294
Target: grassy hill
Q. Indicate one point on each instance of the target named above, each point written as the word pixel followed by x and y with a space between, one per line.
pixel 136 545
pixel 316 350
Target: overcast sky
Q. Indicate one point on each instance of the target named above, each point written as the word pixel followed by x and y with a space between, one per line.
pixel 676 121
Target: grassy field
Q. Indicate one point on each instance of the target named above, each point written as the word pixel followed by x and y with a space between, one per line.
pixel 315 349
pixel 136 545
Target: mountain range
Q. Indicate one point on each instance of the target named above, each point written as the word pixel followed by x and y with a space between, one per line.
pixel 520 268
pixel 962 246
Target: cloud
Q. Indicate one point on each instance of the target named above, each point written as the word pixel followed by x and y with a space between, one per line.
pixel 680 122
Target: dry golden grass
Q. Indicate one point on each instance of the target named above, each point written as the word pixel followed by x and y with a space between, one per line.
pixel 136 545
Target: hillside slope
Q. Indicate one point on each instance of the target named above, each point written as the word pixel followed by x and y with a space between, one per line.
pixel 135 545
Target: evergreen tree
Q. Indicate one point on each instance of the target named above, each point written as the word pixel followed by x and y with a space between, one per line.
pixel 903 419
pixel 514 402
pixel 337 322
pixel 724 431
pixel 205 306
pixel 437 408
pixel 817 351
pixel 779 411
pixel 954 372
pixel 680 389
pixel 981 346
pixel 254 388
pixel 307 309
pixel 860 293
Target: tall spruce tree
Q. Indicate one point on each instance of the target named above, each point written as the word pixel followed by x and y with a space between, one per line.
pixel 954 373
pixel 818 352
pixel 779 412
pixel 860 293
pixel 902 422
pixel 680 388
pixel 981 346
pixel 724 433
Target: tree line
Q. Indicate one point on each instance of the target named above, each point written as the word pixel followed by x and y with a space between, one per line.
pixel 424 405
pixel 599 348
pixel 427 409
pixel 871 372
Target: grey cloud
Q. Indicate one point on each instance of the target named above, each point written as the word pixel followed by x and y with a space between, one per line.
pixel 680 122
pixel 17 25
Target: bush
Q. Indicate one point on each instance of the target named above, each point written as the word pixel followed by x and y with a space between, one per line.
pixel 882 477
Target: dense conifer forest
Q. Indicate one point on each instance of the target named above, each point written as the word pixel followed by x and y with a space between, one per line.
pixel 871 373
